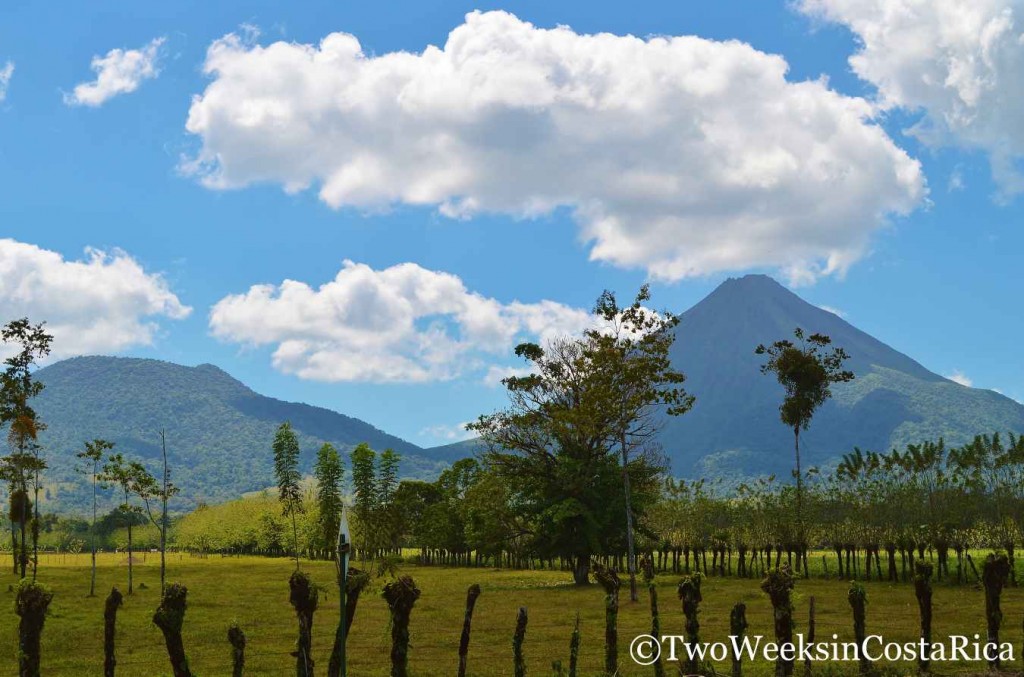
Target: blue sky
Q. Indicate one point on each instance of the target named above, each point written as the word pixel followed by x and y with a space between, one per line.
pixel 925 254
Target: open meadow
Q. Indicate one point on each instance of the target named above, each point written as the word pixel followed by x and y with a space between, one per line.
pixel 254 592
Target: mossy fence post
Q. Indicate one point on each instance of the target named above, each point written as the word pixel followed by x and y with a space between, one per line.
pixel 237 640
pixel 471 596
pixel 858 599
pixel 779 584
pixel 32 603
pixel 518 660
pixel 995 572
pixel 114 601
pixel 738 629
pixel 923 592
pixel 689 595
pixel 609 580
pixel 647 567
pixel 400 594
pixel 170 617
pixel 304 597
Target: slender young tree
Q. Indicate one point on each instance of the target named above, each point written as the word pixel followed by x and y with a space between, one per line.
pixel 328 472
pixel 632 349
pixel 91 458
pixel 18 387
pixel 146 487
pixel 806 372
pixel 286 470
pixel 125 476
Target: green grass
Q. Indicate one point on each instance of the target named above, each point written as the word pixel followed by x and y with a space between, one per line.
pixel 254 591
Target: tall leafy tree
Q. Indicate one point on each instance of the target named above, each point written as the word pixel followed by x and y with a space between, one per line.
pixel 364 485
pixel 328 472
pixel 807 370
pixel 286 470
pixel 18 387
pixel 387 484
pixel 91 458
pixel 631 349
pixel 551 448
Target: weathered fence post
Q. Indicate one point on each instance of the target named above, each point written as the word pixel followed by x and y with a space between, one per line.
pixel 810 636
pixel 113 603
pixel 471 596
pixel 237 640
pixel 518 660
pixel 609 580
pixel 858 599
pixel 647 567
pixel 923 592
pixel 31 604
pixel 778 584
pixel 574 647
pixel 689 594
pixel 304 597
pixel 400 594
pixel 738 629
pixel 169 617
pixel 995 570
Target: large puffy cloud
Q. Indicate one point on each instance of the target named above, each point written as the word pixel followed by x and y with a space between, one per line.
pixel 960 63
pixel 680 155
pixel 403 323
pixel 119 72
pixel 104 303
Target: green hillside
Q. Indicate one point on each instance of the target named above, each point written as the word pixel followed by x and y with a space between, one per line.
pixel 218 430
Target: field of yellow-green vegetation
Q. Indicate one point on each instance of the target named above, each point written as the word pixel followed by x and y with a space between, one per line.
pixel 254 592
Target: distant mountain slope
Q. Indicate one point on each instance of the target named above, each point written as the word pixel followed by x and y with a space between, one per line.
pixel 734 426
pixel 219 431
pixel 733 429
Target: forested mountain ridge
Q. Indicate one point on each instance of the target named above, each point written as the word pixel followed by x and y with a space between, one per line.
pixel 219 431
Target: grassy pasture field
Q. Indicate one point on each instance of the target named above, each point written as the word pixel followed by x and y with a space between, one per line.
pixel 254 591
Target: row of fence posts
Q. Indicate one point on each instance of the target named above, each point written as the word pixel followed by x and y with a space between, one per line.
pixel 33 600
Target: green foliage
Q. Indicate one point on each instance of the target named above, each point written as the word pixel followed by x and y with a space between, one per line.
pixel 328 473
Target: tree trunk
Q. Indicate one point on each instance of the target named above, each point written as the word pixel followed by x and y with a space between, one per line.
pixel 31 604
pixel 996 570
pixel 401 595
pixel 581 569
pixel 609 580
pixel 923 592
pixel 778 584
pixel 304 598
pixel 689 595
pixel 237 640
pixel 518 660
pixel 170 617
pixel 471 596
pixel 738 629
pixel 114 601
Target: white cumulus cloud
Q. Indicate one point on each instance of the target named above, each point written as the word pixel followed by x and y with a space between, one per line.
pixel 400 324
pixel 960 63
pixel 6 73
pixel 959 377
pixel 119 72
pixel 679 155
pixel 103 303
